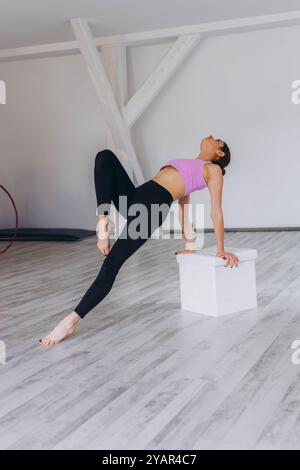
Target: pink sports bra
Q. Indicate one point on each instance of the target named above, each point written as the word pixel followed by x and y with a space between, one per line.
pixel 191 170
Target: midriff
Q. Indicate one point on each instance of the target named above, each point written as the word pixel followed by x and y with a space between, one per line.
pixel 170 178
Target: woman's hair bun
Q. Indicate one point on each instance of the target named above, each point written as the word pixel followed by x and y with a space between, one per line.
pixel 225 160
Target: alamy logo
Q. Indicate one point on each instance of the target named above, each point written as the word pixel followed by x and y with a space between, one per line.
pixel 2 92
pixel 296 93
pixel 162 222
pixel 2 353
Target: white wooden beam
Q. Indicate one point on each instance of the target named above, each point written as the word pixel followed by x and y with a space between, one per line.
pixel 220 27
pixel 40 50
pixel 115 63
pixel 158 78
pixel 236 25
pixel 120 132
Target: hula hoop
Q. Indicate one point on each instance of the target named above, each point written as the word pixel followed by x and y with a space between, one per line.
pixel 17 221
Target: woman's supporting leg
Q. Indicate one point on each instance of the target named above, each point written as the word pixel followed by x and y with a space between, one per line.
pixel 148 194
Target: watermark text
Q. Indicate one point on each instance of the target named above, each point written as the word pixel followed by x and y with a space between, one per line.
pixel 295 97
pixel 2 92
pixel 2 353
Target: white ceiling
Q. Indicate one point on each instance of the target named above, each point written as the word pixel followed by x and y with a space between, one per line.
pixel 31 22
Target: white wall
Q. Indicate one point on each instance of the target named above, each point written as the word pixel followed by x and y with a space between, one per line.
pixel 50 131
pixel 236 87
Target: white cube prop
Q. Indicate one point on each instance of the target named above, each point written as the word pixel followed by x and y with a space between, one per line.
pixel 207 287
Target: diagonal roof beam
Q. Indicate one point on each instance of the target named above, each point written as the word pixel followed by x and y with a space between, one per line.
pixel 117 125
pixel 114 59
pixel 159 77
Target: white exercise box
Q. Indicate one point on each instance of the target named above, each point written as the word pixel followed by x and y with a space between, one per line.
pixel 207 287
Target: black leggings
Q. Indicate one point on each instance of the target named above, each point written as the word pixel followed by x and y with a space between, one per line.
pixel 111 182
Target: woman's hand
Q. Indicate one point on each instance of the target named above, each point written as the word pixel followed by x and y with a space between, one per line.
pixel 190 247
pixel 231 258
pixel 183 252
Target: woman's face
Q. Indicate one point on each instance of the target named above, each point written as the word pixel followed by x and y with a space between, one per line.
pixel 212 146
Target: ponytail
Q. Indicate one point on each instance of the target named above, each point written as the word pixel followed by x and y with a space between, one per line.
pixel 225 160
pixel 217 162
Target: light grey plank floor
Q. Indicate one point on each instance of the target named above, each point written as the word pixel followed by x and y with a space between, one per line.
pixel 142 373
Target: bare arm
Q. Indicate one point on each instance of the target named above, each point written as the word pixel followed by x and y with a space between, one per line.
pixel 187 228
pixel 215 186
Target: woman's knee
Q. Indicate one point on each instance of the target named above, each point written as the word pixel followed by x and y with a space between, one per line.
pixel 105 156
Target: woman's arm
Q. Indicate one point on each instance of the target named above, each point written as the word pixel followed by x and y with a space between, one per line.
pixel 187 228
pixel 215 186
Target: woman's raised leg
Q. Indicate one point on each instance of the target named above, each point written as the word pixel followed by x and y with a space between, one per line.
pixel 111 182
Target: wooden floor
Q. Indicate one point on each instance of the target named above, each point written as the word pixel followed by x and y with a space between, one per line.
pixel 141 373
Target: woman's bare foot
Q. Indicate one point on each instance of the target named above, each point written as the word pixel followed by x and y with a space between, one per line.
pixel 104 228
pixel 65 327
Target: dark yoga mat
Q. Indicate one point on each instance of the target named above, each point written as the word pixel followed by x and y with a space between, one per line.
pixel 46 234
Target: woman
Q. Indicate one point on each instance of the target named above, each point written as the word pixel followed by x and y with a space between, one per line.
pixel 175 180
